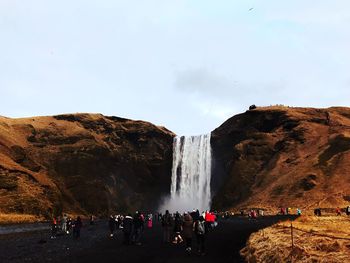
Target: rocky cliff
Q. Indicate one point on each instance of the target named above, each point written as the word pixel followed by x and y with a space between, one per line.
pixel 82 163
pixel 280 156
pixel 90 163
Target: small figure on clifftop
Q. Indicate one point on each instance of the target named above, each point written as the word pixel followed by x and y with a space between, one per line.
pixel 252 107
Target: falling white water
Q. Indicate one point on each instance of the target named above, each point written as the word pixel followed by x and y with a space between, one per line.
pixel 191 173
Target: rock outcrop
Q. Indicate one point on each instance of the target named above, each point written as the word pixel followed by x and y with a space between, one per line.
pixel 82 163
pixel 281 156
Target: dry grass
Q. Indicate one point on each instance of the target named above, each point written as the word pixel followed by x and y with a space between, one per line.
pixel 316 239
pixel 19 218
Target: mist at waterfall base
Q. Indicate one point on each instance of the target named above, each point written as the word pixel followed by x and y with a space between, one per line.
pixel 191 175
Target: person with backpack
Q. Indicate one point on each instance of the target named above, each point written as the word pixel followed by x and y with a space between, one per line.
pixel 177 229
pixel 200 230
pixel 187 227
pixel 166 224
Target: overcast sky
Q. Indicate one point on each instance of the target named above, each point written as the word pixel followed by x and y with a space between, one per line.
pixel 184 64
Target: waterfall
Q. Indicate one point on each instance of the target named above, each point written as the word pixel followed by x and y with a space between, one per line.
pixel 191 173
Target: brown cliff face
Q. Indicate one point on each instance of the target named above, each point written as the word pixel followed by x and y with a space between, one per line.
pixel 82 163
pixel 90 163
pixel 279 156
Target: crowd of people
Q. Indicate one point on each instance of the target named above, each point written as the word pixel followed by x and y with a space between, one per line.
pixel 288 211
pixel 177 228
pixel 338 211
pixel 65 225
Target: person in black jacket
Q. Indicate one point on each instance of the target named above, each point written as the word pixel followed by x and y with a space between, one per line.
pixel 167 222
pixel 127 229
pixel 177 229
pixel 111 224
pixel 76 227
pixel 138 228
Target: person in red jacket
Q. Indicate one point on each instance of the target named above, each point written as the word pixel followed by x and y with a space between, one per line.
pixel 54 228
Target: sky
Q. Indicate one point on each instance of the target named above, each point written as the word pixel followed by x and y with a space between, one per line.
pixel 187 65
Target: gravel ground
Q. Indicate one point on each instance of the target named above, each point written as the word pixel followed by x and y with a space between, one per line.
pixel 223 245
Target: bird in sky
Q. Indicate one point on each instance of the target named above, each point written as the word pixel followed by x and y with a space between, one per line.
pixel 250 9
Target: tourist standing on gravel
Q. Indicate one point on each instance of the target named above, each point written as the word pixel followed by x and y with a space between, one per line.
pixel 150 221
pixel 166 224
pixel 338 211
pixel 177 229
pixel 76 227
pixel 127 229
pixel 188 231
pixel 298 211
pixel 200 229
pixel 92 220
pixel 54 228
pixel 64 224
pixel 195 215
pixel 69 225
pixel 117 222
pixel 138 228
pixel 111 224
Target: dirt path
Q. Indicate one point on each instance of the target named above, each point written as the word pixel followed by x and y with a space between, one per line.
pixel 223 245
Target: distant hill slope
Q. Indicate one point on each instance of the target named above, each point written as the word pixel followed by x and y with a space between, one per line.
pixel 280 156
pixel 82 163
